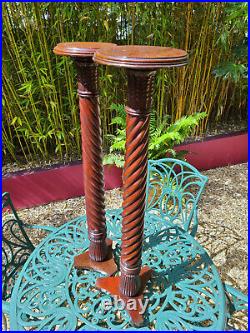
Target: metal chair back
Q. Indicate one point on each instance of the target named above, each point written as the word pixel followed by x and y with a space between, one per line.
pixel 174 188
pixel 16 245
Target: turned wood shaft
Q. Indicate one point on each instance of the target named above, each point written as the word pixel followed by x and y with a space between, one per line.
pixel 140 85
pixel 87 77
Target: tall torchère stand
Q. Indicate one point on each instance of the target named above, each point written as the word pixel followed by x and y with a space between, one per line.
pixel 141 63
pixel 99 255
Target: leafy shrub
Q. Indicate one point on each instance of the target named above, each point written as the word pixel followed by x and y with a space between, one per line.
pixel 162 137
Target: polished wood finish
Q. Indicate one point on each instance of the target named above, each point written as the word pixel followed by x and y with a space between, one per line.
pixel 80 49
pixel 141 56
pixel 140 85
pixel 107 266
pixel 112 285
pixel 87 78
pixel 140 63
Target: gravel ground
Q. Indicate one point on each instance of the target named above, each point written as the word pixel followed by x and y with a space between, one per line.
pixel 222 223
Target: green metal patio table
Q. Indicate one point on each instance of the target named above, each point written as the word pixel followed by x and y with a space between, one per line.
pixel 185 291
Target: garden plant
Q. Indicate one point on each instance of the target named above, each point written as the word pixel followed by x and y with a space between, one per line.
pixel 123 84
pixel 40 111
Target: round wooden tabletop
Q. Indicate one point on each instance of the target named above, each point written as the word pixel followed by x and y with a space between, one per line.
pixel 140 56
pixel 79 49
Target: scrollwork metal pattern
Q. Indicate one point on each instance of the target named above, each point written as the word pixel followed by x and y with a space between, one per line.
pixel 173 190
pixel 185 292
pixel 16 246
pixel 236 300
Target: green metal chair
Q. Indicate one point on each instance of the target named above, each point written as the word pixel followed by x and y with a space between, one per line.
pixel 174 188
pixel 236 301
pixel 16 248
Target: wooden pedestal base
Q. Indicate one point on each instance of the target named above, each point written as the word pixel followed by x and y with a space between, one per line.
pixel 108 266
pixel 112 285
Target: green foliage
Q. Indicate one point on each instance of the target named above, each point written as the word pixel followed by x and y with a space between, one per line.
pixel 116 159
pixel 162 138
pixel 234 40
pixel 40 107
pixel 234 36
pixel 120 119
pixel 229 70
pixel 166 136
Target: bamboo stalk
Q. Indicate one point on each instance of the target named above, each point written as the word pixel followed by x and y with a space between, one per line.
pixel 48 111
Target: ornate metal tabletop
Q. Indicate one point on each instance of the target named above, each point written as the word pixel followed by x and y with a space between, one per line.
pixel 184 293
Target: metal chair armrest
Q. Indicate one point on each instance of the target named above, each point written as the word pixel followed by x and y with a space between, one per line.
pixel 41 227
pixel 5 307
pixel 237 301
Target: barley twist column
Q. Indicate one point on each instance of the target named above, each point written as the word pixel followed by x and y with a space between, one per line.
pixel 141 63
pixel 99 254
pixel 140 85
pixel 92 155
